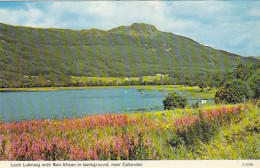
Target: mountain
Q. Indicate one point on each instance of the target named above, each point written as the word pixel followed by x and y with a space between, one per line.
pixel 54 56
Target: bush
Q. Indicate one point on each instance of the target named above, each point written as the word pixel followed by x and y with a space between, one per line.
pixel 173 100
pixel 235 91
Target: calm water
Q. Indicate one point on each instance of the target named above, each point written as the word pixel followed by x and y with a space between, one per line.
pixel 16 106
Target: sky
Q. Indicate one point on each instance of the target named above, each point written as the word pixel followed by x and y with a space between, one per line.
pixel 228 25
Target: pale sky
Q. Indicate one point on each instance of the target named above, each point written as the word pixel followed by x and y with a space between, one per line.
pixel 232 26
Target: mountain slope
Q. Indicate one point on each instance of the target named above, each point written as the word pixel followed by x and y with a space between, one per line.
pixel 53 56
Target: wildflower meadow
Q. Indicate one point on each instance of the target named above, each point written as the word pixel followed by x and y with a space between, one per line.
pixel 215 132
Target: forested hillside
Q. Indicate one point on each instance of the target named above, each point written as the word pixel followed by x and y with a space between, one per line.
pixel 62 57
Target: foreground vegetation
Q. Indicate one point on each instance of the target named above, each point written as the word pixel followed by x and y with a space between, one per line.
pixel 216 132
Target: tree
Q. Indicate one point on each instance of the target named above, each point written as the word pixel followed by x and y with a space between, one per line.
pixel 235 91
pixel 254 83
pixel 242 72
pixel 173 100
pixel 202 85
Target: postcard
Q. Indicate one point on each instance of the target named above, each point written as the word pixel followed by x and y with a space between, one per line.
pixel 125 84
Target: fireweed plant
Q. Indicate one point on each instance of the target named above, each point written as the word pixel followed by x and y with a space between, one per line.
pixel 218 132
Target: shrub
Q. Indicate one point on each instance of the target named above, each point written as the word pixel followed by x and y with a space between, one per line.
pixel 235 91
pixel 173 100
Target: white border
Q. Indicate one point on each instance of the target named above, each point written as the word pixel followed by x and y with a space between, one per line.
pixel 135 164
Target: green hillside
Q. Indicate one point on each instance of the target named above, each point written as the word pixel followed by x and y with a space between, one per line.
pixel 62 57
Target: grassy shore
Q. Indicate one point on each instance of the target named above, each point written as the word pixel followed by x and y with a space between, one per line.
pixel 146 87
pixel 216 132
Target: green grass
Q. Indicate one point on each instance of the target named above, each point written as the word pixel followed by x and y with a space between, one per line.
pixel 189 89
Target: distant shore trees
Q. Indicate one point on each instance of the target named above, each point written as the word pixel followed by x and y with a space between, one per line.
pixel 242 87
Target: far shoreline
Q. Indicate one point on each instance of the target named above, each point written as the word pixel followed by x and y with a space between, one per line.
pixel 38 89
